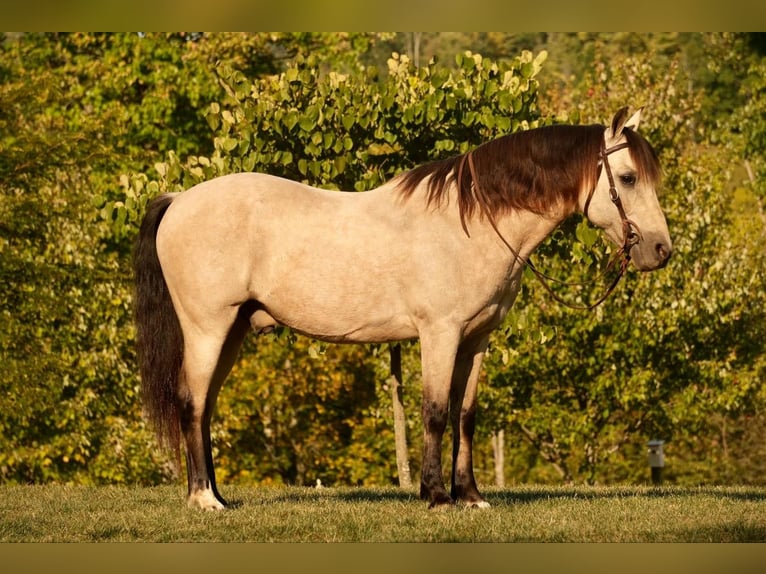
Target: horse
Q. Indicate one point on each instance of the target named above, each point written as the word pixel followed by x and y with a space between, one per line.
pixel 434 254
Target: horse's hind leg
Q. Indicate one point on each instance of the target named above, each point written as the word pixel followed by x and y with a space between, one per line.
pixel 208 358
pixel 463 414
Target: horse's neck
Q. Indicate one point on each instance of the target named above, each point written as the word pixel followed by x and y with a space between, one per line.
pixel 520 233
pixel 516 233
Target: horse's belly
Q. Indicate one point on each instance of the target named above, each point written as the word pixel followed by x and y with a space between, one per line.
pixel 390 331
pixel 347 324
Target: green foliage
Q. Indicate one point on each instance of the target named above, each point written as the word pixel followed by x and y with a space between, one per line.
pixel 54 328
pixel 346 131
pixel 746 126
pixel 291 414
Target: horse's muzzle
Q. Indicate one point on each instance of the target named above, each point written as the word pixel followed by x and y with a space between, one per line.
pixel 650 255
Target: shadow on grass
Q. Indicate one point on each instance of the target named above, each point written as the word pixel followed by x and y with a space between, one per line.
pixel 234 503
pixel 497 497
pixel 533 494
pixel 243 497
pixel 349 494
pixel 730 532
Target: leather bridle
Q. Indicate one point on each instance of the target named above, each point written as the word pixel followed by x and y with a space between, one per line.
pixel 630 231
pixel 631 234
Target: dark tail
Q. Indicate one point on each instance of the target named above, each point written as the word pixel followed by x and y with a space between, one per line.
pixel 158 334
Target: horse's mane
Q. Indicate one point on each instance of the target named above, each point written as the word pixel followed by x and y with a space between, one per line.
pixel 534 170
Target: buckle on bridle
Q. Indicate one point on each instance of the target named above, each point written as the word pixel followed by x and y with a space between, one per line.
pixel 632 234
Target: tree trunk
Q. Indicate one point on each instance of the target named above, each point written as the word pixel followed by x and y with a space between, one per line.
pixel 400 420
pixel 498 449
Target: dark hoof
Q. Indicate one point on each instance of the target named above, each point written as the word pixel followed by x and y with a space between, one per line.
pixel 441 502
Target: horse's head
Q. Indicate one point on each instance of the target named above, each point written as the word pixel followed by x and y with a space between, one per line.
pixel 623 201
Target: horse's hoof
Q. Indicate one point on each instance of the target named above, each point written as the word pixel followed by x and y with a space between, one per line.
pixel 205 500
pixel 441 503
pixel 477 504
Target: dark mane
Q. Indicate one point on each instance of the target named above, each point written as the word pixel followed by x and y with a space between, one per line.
pixel 536 170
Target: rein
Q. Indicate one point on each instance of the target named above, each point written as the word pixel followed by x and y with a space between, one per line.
pixel 630 231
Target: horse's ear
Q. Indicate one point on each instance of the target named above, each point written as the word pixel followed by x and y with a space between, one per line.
pixel 622 121
pixel 634 120
pixel 618 123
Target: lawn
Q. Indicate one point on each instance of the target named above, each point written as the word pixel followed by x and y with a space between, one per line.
pixel 52 513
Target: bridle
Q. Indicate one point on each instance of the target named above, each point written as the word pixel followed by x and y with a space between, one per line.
pixel 631 234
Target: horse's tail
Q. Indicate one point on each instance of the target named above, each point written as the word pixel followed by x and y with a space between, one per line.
pixel 159 339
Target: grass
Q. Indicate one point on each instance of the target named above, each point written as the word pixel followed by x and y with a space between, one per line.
pixel 51 513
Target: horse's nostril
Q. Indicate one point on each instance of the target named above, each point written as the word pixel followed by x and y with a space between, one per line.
pixel 663 251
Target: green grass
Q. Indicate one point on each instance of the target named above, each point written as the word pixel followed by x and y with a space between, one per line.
pixel 50 513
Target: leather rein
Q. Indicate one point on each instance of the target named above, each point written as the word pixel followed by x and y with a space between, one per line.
pixel 630 231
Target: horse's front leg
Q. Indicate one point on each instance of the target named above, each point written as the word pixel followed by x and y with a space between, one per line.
pixel 465 382
pixel 438 360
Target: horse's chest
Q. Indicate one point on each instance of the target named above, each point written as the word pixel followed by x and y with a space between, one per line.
pixel 493 312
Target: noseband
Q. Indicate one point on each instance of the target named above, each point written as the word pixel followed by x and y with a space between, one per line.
pixel 631 234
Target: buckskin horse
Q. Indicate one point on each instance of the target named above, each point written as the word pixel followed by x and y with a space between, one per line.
pixel 437 253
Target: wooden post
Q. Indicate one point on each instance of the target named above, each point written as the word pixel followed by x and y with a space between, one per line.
pixel 498 450
pixel 400 419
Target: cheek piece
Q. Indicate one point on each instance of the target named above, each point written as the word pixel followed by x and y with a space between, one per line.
pixel 631 234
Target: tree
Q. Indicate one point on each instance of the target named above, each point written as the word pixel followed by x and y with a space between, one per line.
pixel 66 387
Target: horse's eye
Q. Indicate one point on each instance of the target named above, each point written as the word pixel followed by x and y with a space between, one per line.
pixel 628 179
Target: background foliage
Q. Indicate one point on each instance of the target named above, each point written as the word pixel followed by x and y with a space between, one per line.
pixel 94 125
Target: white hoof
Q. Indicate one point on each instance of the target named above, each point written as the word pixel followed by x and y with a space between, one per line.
pixel 205 500
pixel 479 504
